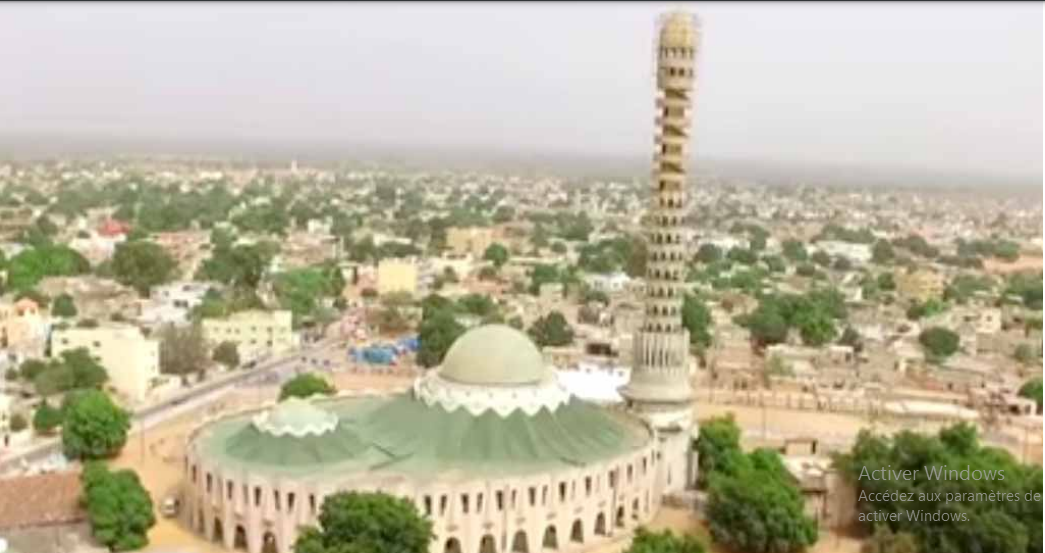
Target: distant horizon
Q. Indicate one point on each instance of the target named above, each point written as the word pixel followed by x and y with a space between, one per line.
pixel 40 146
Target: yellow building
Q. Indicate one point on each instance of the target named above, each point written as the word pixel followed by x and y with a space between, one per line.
pixel 469 240
pixel 396 275
pixel 920 285
pixel 131 360
pixel 255 333
pixel 21 326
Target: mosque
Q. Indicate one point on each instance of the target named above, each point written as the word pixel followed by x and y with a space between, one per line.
pixel 490 446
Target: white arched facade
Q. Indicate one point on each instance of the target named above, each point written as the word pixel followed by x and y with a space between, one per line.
pixel 565 510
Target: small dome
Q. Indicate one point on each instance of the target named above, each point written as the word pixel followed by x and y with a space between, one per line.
pixel 492 355
pixel 297 417
pixel 679 30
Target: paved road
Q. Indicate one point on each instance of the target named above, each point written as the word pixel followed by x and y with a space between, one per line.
pixel 267 372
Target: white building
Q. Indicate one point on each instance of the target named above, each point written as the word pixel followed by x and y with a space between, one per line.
pixel 612 283
pixel 856 253
pixel 131 360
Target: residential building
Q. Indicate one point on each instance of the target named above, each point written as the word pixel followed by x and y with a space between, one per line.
pixel 22 328
pixel 469 240
pixel 131 359
pixel 257 334
pixel 397 275
pixel 859 254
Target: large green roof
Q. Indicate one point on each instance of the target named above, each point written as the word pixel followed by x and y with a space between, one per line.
pixel 399 434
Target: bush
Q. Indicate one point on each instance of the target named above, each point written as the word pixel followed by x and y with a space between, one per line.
pixel 18 423
pixel 939 343
pixel 305 386
pixel 46 418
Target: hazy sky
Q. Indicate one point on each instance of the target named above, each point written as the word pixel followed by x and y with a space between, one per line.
pixel 940 86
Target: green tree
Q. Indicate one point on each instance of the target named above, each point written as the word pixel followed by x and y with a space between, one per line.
pixel 496 254
pixel 29 267
pixel 794 250
pixel 119 508
pixel 939 343
pixel 850 337
pixel 718 446
pixel 183 350
pixel 63 306
pixel 697 319
pixel 882 253
pixel 439 329
pixel 1032 390
pixel 665 541
pixel 543 274
pixel 46 418
pixel 816 327
pixel 821 258
pixel 94 427
pixel 305 385
pixel 709 253
pixel 885 540
pixel 759 510
pixel 227 353
pixel 142 265
pixel 357 522
pixel 18 423
pixel 551 330
pixel 767 327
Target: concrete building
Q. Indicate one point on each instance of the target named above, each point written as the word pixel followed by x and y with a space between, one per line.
pixel 172 303
pixel 531 468
pixel 659 388
pixel 859 254
pixel 23 329
pixel 469 240
pixel 131 359
pixel 397 275
pixel 256 334
pixel 612 283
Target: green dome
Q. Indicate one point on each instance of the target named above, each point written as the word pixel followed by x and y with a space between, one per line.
pixel 492 355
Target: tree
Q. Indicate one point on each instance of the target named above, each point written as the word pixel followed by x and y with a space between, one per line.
pixel 852 338
pixel 63 306
pixel 795 250
pixel 304 386
pixel 551 330
pixel 119 508
pixel 439 329
pixel 882 253
pixel 496 254
pixel 73 370
pixel 821 258
pixel 46 418
pixel 697 319
pixel 94 426
pixel 367 522
pixel 709 253
pixel 939 343
pixel 1024 354
pixel 767 327
pixel 816 327
pixel 1033 390
pixel 142 265
pixel 183 351
pixel 717 446
pixel 988 527
pixel 227 353
pixel 18 423
pixel 665 541
pixel 885 541
pixel 759 509
pixel 32 265
pixel 543 274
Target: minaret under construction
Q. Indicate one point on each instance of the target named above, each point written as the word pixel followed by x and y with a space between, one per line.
pixel 659 388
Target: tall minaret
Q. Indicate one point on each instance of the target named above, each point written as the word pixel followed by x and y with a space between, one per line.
pixel 659 389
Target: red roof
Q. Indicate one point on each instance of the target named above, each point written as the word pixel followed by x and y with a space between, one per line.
pixel 112 227
pixel 41 500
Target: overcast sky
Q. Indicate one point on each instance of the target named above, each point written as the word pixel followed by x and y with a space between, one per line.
pixel 936 85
